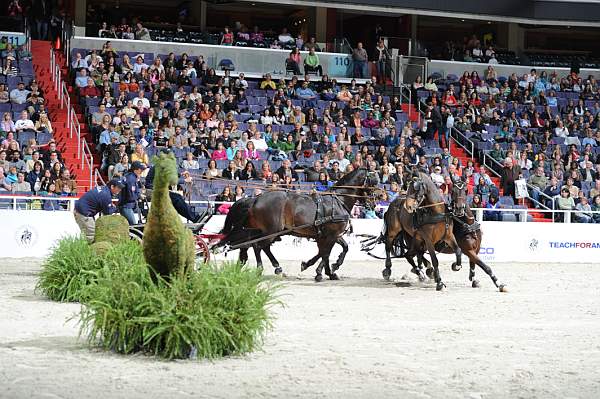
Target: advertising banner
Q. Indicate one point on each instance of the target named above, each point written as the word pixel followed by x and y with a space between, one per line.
pixel 33 233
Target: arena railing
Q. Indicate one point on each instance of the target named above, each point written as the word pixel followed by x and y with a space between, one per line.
pixel 87 159
pixel 467 144
pixel 32 202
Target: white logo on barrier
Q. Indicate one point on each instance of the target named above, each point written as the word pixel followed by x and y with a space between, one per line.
pixel 26 236
pixel 533 245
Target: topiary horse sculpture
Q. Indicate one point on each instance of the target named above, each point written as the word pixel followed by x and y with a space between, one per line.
pixel 168 245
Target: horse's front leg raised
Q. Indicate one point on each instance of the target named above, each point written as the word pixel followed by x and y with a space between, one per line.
pixel 342 256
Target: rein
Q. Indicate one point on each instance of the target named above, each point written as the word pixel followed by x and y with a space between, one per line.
pixel 264 186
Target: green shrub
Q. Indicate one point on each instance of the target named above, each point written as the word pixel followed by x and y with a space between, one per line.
pixel 111 228
pixel 68 270
pixel 215 312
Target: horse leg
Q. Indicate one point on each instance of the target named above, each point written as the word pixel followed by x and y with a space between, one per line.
pixel 456 266
pixel 387 272
pixel 428 268
pixel 342 256
pixel 274 262
pixel 324 252
pixel 243 256
pixel 259 263
pixel 474 283
pixel 310 262
pixel 436 271
pixel 416 268
pixel 489 272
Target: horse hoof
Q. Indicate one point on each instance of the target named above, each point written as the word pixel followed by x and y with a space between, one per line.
pixel 318 278
pixel 440 286
pixel 334 276
pixel 278 270
pixel 475 284
pixel 429 272
pixel 456 267
pixel 335 267
pixel 386 274
pixel 502 288
pixel 303 266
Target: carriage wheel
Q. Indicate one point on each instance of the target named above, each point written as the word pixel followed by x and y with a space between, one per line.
pixel 202 250
pixel 136 234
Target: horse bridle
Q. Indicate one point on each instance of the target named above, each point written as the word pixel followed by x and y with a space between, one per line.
pixel 453 208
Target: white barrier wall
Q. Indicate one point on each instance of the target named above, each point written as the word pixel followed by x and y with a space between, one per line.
pixel 502 242
pixel 245 59
pixel 32 234
pixel 26 234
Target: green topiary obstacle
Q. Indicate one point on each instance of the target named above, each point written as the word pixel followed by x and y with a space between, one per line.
pixel 112 229
pixel 215 312
pixel 168 245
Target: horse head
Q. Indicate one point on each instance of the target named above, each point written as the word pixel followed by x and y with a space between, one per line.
pixel 415 194
pixel 458 198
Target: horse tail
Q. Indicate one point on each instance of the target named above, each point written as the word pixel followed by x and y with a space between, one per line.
pixel 236 220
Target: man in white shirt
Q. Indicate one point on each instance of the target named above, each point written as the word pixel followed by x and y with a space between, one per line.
pixel 19 95
pixel 259 143
pixel 241 82
pixel 341 160
pixel 144 100
pixel 139 65
pixel 437 177
pixel 79 62
pixel 24 123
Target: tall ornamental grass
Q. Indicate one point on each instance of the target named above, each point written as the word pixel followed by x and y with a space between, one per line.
pixel 217 311
pixel 68 270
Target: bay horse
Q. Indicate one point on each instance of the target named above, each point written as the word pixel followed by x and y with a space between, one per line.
pixel 324 217
pixel 423 219
pixel 468 235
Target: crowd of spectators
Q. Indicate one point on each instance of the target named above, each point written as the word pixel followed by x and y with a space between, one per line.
pixel 234 128
pixel 30 162
pixel 541 127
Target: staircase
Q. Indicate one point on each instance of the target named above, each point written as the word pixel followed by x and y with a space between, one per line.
pixel 59 116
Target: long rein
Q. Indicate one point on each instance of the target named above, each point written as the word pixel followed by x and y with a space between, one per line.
pixel 247 185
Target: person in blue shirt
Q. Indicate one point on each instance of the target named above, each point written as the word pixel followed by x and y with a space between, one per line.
pixel 82 79
pixel 392 140
pixel 97 200
pixel 131 193
pixel 307 94
pixel 323 184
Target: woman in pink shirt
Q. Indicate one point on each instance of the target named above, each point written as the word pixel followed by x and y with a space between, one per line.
pixel 220 154
pixel 250 152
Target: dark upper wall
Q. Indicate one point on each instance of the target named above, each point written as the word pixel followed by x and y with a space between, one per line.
pixel 580 11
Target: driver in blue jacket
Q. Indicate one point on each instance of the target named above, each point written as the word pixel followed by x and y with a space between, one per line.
pixel 97 200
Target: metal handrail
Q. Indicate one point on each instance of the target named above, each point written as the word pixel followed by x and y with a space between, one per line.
pixel 75 126
pixel 98 177
pixel 467 140
pixel 87 159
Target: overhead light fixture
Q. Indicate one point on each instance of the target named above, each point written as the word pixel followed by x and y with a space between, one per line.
pixel 462 20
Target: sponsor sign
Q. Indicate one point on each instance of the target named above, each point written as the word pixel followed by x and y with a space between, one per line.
pixel 33 233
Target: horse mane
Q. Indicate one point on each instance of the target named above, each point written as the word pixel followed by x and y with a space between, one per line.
pixel 347 179
pixel 433 195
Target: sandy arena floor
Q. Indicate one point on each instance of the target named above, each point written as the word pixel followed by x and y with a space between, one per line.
pixel 355 338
